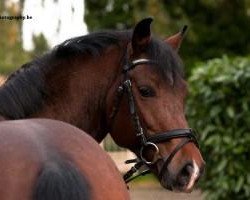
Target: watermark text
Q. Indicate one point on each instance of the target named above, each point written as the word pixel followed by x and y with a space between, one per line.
pixel 19 17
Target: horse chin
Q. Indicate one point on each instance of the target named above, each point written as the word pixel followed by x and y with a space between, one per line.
pixel 172 183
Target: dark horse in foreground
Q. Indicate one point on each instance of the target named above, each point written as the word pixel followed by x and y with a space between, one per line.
pixel 126 83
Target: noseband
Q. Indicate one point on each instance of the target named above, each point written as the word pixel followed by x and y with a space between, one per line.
pixel 147 141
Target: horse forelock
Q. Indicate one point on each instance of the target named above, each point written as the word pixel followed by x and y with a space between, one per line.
pixel 168 63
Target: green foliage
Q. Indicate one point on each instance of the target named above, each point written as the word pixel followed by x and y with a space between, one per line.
pixel 219 107
pixel 216 27
pixel 40 45
pixel 12 58
pixel 108 14
pixel 12 54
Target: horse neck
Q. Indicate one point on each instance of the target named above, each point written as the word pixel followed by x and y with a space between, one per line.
pixel 79 94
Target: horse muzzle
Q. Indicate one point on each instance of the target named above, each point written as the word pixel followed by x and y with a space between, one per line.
pixel 184 175
pixel 182 180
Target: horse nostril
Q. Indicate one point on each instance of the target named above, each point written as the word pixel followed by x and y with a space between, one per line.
pixel 188 176
pixel 187 170
pixel 185 174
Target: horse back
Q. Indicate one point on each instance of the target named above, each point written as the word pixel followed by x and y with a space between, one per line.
pixel 36 153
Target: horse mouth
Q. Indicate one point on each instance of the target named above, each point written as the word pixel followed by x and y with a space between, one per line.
pixel 181 181
pixel 177 185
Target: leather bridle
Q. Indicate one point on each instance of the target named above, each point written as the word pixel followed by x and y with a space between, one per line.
pixel 147 141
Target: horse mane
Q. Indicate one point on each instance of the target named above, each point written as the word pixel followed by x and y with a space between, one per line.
pixel 92 44
pixel 24 92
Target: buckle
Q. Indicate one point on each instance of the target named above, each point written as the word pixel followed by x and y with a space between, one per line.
pixel 145 147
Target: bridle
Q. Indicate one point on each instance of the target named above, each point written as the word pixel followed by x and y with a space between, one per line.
pixel 188 135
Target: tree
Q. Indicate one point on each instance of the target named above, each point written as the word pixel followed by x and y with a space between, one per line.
pixel 216 27
pixel 40 45
pixel 108 14
pixel 12 54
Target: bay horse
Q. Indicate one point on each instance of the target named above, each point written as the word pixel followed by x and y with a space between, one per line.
pixel 44 159
pixel 126 83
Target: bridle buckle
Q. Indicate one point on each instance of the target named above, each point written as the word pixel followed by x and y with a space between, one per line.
pixel 140 133
pixel 155 149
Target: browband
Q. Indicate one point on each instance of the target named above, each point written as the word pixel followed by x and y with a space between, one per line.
pixel 134 63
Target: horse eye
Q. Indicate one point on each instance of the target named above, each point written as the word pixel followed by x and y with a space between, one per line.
pixel 146 91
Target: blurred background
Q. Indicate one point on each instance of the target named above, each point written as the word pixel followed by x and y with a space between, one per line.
pixel 216 53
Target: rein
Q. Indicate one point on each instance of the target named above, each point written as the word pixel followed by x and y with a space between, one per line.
pixel 150 141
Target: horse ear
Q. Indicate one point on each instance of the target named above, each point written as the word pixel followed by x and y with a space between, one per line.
pixel 141 34
pixel 175 40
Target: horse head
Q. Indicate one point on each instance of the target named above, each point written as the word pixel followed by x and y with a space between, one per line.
pixel 146 107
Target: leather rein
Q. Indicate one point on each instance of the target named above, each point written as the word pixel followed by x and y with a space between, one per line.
pixel 147 141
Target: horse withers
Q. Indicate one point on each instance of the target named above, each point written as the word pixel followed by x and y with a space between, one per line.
pixel 126 83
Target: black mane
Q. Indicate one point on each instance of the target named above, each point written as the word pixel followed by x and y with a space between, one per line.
pixel 92 44
pixel 24 92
